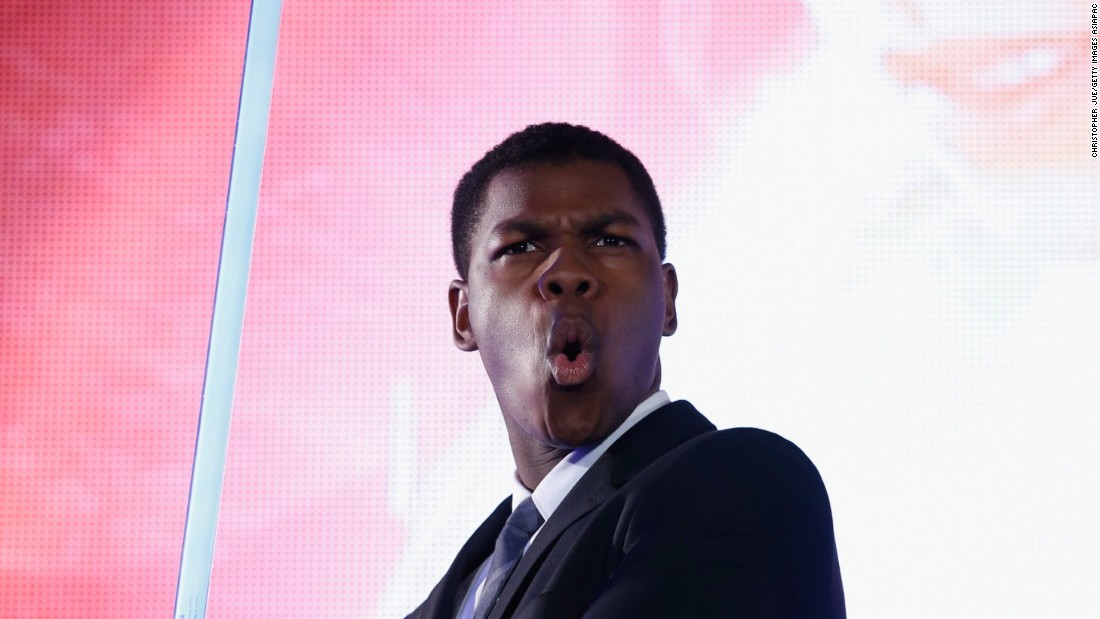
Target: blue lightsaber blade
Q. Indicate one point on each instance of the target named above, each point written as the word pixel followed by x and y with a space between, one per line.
pixel 197 557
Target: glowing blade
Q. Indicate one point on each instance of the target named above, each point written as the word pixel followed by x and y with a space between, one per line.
pixel 197 557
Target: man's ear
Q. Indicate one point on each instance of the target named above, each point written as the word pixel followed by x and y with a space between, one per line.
pixel 672 286
pixel 458 295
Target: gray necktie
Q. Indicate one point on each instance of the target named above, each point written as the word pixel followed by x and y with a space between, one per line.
pixel 513 538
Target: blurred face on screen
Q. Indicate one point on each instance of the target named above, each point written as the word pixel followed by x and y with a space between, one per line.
pixel 1011 71
pixel 566 300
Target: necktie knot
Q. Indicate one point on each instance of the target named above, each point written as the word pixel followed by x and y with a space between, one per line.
pixel 511 542
pixel 526 519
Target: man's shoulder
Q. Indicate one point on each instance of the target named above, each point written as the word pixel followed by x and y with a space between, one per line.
pixel 705 436
pixel 747 446
pixel 740 513
pixel 749 461
pixel 756 439
pixel 703 440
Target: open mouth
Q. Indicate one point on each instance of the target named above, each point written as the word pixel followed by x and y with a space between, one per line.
pixel 571 351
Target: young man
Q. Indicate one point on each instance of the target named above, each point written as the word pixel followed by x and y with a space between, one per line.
pixel 625 504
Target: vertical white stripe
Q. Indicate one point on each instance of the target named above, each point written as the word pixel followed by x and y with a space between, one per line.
pixel 197 557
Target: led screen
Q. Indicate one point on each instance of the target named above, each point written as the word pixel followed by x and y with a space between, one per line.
pixel 882 212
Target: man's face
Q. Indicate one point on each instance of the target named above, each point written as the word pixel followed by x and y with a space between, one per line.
pixel 566 300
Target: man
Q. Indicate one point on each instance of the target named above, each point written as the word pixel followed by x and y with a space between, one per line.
pixel 625 504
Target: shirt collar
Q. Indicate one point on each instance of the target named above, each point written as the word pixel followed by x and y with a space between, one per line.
pixel 553 488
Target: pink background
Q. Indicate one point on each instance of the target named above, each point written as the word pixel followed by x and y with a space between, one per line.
pixel 883 214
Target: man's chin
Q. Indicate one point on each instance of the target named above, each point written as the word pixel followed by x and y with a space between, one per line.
pixel 572 427
pixel 575 440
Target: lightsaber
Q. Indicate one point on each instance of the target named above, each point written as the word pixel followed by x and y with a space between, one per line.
pixel 254 107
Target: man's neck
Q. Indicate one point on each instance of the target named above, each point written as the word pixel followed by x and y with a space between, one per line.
pixel 534 462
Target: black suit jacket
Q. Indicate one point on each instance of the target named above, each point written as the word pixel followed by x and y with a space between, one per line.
pixel 675 520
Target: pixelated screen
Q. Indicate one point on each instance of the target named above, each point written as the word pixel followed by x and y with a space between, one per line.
pixel 883 214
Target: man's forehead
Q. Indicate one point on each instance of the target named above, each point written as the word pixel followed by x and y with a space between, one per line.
pixel 585 222
pixel 552 190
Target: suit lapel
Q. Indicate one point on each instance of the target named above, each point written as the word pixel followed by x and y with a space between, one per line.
pixel 660 432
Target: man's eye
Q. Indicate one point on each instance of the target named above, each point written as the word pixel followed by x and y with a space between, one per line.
pixel 518 248
pixel 610 240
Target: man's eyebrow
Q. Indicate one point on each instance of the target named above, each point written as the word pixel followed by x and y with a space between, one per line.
pixel 601 221
pixel 596 223
pixel 527 227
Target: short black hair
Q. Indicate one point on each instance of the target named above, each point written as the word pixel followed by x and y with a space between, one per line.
pixel 554 143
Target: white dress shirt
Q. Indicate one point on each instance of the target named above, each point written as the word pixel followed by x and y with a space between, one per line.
pixel 553 488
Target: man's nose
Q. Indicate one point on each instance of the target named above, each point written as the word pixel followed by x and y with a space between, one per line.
pixel 566 275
